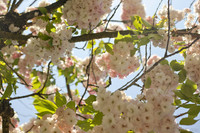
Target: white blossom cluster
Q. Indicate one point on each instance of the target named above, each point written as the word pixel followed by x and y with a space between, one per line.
pixel 11 53
pixel 85 14
pixel 40 49
pixel 175 15
pixel 197 7
pixel 121 63
pixel 124 114
pixel 161 76
pixel 96 75
pixel 3 7
pixel 62 121
pixel 131 8
pixel 192 62
pixel 162 43
pixel 39 26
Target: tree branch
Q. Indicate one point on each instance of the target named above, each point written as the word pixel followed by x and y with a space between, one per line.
pixel 29 15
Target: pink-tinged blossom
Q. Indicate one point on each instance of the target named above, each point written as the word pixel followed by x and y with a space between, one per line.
pixel 197 7
pixel 125 113
pixel 192 62
pixel 121 63
pixel 3 7
pixel 161 76
pixel 85 14
pixel 97 76
pixel 131 8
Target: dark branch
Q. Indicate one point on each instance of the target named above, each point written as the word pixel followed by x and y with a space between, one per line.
pixel 29 15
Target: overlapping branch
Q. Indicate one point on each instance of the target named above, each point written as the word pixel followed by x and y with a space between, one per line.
pixel 92 36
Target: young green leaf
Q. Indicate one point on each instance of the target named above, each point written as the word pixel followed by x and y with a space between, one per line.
pixel 182 75
pixel 148 82
pixel 59 99
pixel 85 124
pixel 43 10
pixel 188 121
pixel 109 48
pixel 98 118
pixel 7 92
pixel 50 27
pixel 194 110
pixel 71 105
pixel 176 66
pixel 44 105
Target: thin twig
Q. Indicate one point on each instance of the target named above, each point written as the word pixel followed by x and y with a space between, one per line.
pixel 48 71
pixel 81 116
pixel 30 129
pixel 29 95
pixel 13 5
pixel 115 10
pixel 182 104
pixel 88 75
pixel 168 39
pixel 17 4
pixel 192 3
pixel 14 71
pixel 68 89
pixel 156 12
pixel 32 2
pixel 181 115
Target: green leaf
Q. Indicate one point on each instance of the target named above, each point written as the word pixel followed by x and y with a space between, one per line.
pixel 188 121
pixel 41 114
pixel 57 17
pixel 43 10
pixel 85 125
pixel 43 36
pixel 7 92
pixel 182 75
pixel 109 48
pixel 155 36
pixel 44 105
pixel 50 42
pixel 71 105
pixel 145 23
pixel 177 102
pixel 184 131
pixel 50 27
pixel 132 132
pixel 90 99
pixel 101 44
pixel 164 62
pixel 84 31
pixel 59 99
pixel 137 22
pixel 176 66
pixel 187 105
pixel 148 82
pixel 97 51
pixel 125 38
pixel 132 52
pixel 181 95
pixel 98 118
pixel 194 110
pixel 8 42
pixel 90 43
pixel 188 88
pixel 161 23
pixel 35 83
pixel 144 41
